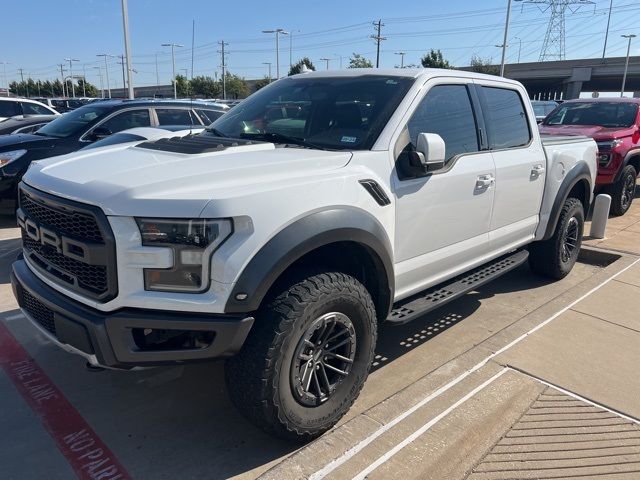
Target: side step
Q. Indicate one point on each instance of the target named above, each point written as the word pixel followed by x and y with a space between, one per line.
pixel 423 302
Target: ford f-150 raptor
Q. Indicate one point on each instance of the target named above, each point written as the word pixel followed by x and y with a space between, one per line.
pixel 321 206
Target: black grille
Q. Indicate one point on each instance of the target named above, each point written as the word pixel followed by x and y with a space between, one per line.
pixel 86 225
pixel 74 224
pixel 38 311
pixel 90 277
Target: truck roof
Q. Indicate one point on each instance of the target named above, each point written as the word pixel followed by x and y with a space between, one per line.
pixel 605 100
pixel 404 72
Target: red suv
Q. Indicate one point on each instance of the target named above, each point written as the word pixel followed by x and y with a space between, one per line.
pixel 614 123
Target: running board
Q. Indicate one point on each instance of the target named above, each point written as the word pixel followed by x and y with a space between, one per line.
pixel 428 300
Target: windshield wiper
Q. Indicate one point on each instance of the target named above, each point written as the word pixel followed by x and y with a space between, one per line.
pixel 216 132
pixel 281 138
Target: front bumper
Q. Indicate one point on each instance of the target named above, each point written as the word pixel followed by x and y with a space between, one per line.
pixel 107 339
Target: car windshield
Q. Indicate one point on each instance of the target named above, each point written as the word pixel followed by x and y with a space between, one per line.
pixel 73 122
pixel 543 109
pixel 603 114
pixel 341 113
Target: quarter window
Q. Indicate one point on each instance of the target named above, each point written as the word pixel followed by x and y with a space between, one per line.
pixel 128 119
pixel 506 118
pixel 446 110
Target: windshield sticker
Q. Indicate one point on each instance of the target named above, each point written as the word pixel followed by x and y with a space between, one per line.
pixel 346 139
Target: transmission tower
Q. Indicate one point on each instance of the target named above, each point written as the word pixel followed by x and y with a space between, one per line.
pixel 553 47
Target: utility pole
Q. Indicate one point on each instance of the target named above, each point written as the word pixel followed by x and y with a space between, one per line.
pixel 378 38
pixel 519 47
pixel 22 81
pixel 606 35
pixel 291 32
pixel 106 70
pixel 626 63
pixel 84 80
pixel 278 32
pixel 268 63
pixel 402 54
pixel 101 85
pixel 64 93
pixel 327 61
pixel 173 61
pixel 71 60
pixel 223 44
pixel 6 82
pixel 38 85
pixel 124 82
pixel 504 41
pixel 127 45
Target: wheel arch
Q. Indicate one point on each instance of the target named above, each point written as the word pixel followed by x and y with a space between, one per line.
pixel 343 239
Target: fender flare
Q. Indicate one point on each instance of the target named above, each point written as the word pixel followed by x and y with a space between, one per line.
pixel 313 231
pixel 577 174
pixel 631 153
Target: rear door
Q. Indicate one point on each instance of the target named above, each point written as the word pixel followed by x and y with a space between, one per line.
pixel 520 163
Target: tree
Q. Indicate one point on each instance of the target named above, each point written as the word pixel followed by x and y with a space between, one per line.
pixel 236 87
pixel 205 87
pixel 434 59
pixel 358 61
pixel 263 82
pixel 297 67
pixel 485 65
pixel 182 86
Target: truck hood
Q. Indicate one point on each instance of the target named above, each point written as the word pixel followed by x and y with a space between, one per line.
pixel 596 132
pixel 141 182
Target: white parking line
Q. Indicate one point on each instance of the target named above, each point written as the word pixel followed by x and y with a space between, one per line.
pixel 331 466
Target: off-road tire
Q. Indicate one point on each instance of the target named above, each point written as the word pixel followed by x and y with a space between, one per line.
pixel 621 198
pixel 548 257
pixel 258 378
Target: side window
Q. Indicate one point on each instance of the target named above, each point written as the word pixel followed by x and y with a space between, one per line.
pixel 446 110
pixel 34 109
pixel 128 119
pixel 506 118
pixel 175 116
pixel 8 108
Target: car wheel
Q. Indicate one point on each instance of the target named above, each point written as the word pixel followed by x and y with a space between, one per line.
pixel 556 256
pixel 624 191
pixel 306 357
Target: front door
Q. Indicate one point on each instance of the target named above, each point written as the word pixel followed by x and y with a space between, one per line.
pixel 443 219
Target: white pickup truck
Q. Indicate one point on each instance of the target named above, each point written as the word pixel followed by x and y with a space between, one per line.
pixel 321 206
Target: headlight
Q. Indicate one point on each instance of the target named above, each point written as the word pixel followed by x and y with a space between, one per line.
pixel 192 241
pixel 8 157
pixel 610 144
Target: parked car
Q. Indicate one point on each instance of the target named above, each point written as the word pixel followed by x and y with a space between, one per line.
pixel 542 108
pixel 24 123
pixel 285 242
pixel 614 123
pixel 80 127
pixel 11 107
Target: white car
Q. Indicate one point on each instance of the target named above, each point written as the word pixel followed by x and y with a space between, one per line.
pixel 320 207
pixel 12 107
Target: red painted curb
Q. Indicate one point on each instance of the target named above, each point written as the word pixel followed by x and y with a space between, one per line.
pixel 89 457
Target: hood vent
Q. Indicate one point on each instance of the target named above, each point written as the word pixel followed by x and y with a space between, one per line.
pixel 193 144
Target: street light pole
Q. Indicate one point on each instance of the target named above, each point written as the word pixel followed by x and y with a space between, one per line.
pixel 278 32
pixel 504 41
pixel 173 61
pixel 73 88
pixel 268 63
pixel 127 45
pixel 106 70
pixel 626 63
pixel 519 47
pixel 327 61
pixel 606 35
pixel 101 85
pixel 402 54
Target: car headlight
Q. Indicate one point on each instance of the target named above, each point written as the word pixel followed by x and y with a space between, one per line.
pixel 8 157
pixel 610 144
pixel 193 241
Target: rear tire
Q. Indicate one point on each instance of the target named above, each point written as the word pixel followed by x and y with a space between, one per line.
pixel 286 378
pixel 623 191
pixel 556 256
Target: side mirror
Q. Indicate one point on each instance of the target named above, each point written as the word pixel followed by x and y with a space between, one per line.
pixel 99 133
pixel 430 152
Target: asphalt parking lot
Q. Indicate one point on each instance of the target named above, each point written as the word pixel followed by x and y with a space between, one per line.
pixel 412 420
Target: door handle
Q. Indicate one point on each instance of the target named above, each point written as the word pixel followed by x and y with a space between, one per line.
pixel 537 170
pixel 484 181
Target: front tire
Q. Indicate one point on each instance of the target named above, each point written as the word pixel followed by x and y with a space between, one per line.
pixel 623 191
pixel 306 357
pixel 556 256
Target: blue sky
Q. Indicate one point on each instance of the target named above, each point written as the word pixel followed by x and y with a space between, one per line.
pixel 37 35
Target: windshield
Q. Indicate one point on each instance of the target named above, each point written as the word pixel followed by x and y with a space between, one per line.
pixel 73 122
pixel 543 109
pixel 603 114
pixel 341 113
